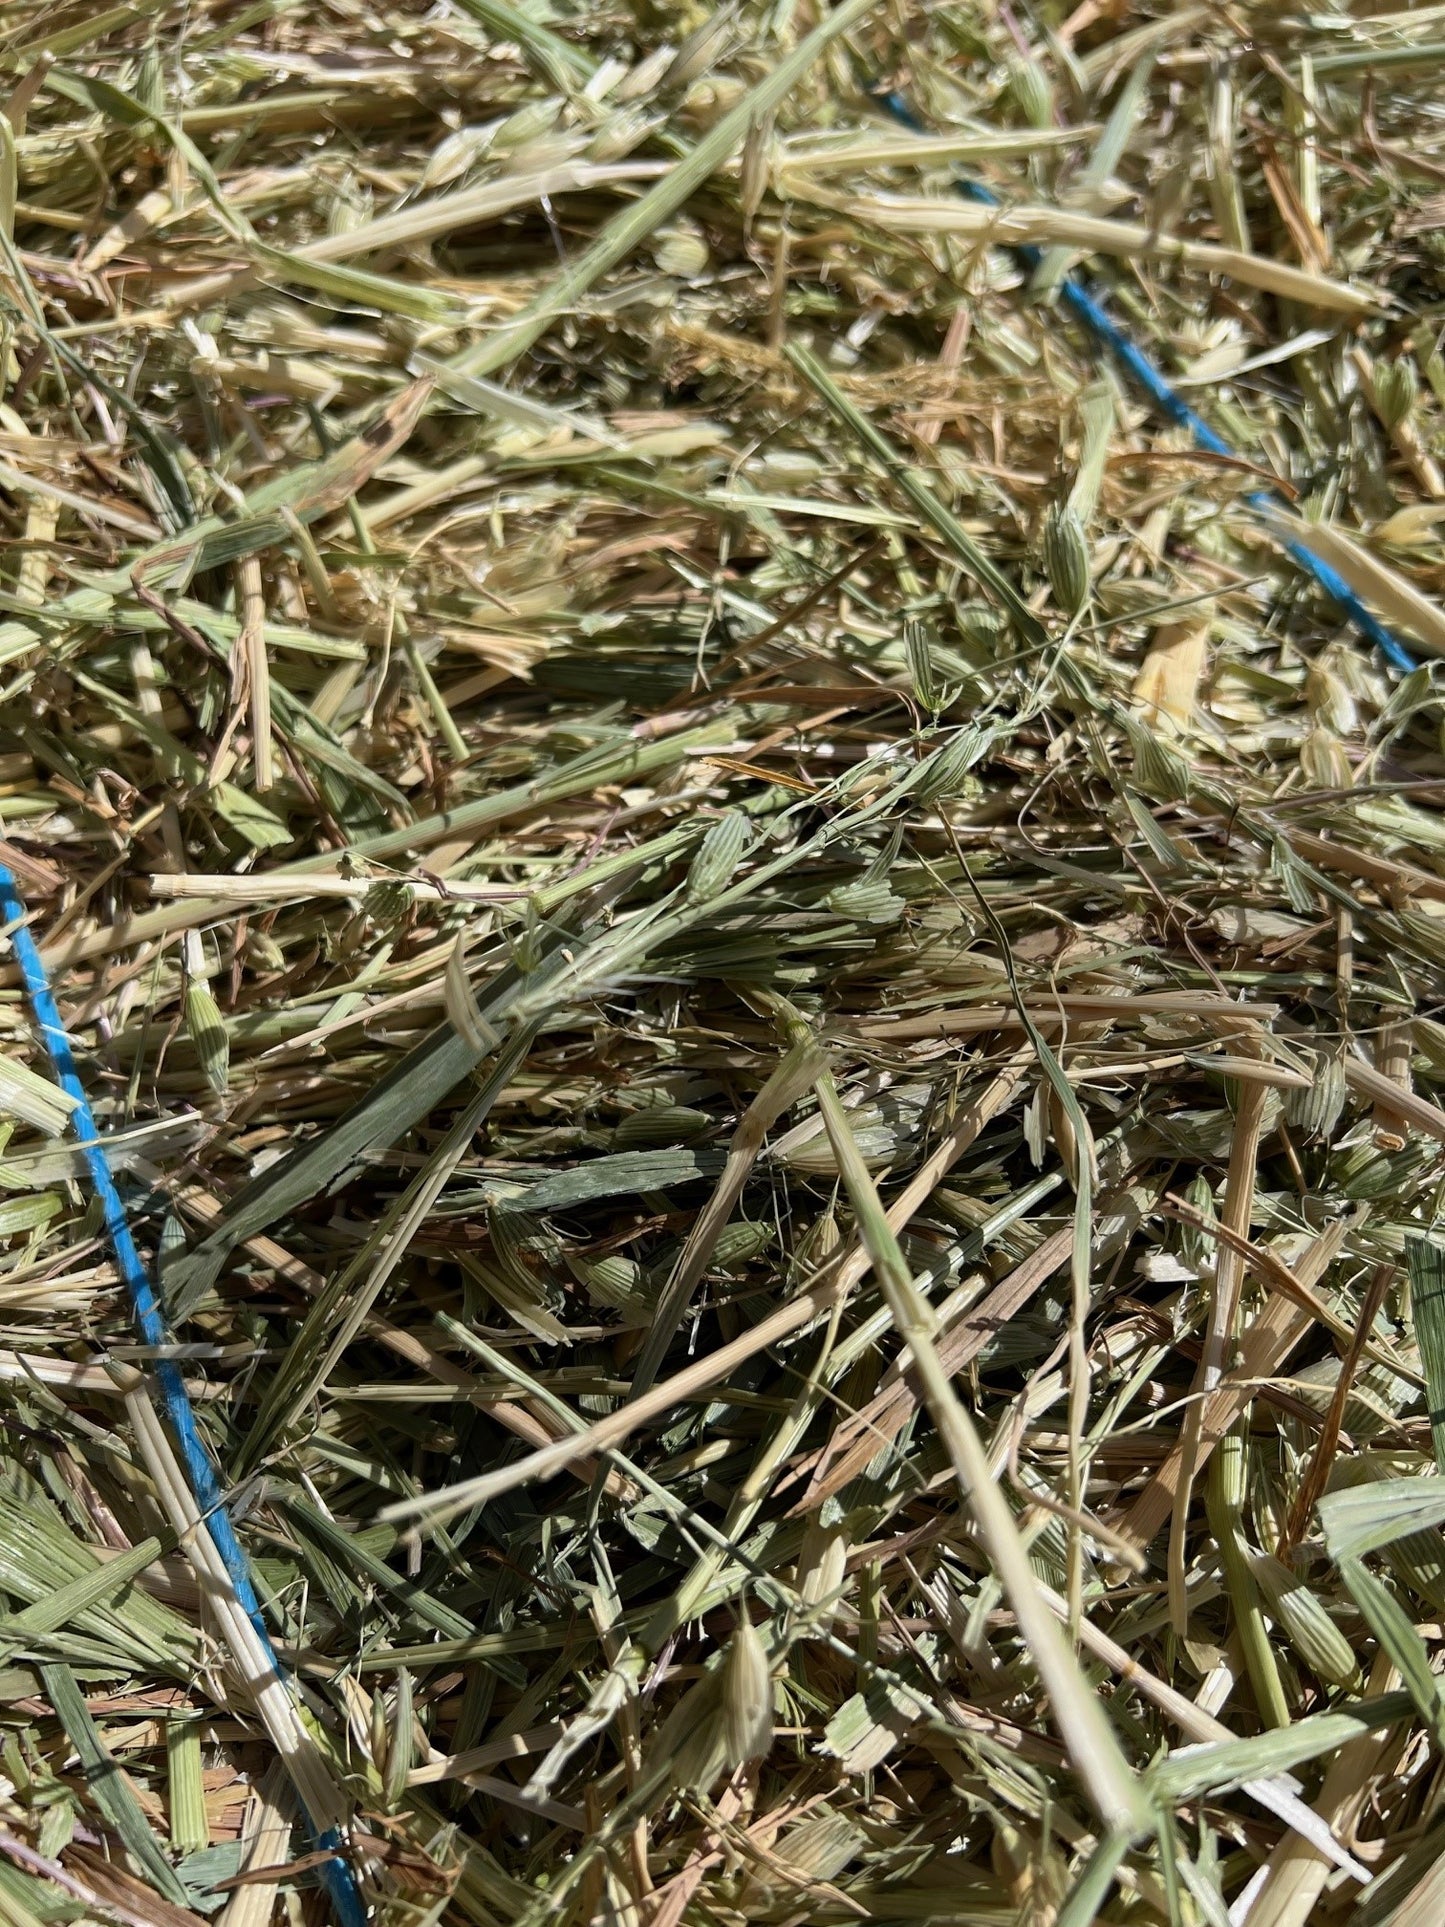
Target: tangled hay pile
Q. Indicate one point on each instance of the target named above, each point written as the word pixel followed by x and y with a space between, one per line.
pixel 764 981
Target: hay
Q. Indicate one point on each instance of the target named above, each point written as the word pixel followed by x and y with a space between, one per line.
pixel 763 979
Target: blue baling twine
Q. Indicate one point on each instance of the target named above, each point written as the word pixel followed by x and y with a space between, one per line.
pixel 1169 402
pixel 336 1873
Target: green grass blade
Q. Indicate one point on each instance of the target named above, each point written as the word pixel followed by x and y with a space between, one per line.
pixel 111 1790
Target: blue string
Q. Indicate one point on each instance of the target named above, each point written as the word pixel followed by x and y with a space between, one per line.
pixel 336 1873
pixel 1168 401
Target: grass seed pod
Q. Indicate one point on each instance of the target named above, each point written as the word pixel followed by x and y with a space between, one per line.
pixel 680 249
pixel 1066 558
pixel 718 857
pixel 1031 94
pixel 1301 1616
pixel 739 1243
pixel 922 672
pixel 702 49
pixel 1419 1560
pixel 692 1738
pixel 942 774
pixel 1396 386
pixel 399 1743
pixel 1315 1111
pixel 868 900
pixel 612 1281
pixel 1159 769
pixel 207 1030
pixel 983 625
pixel 659 1124
pixel 823 1568
pixel 747 1696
